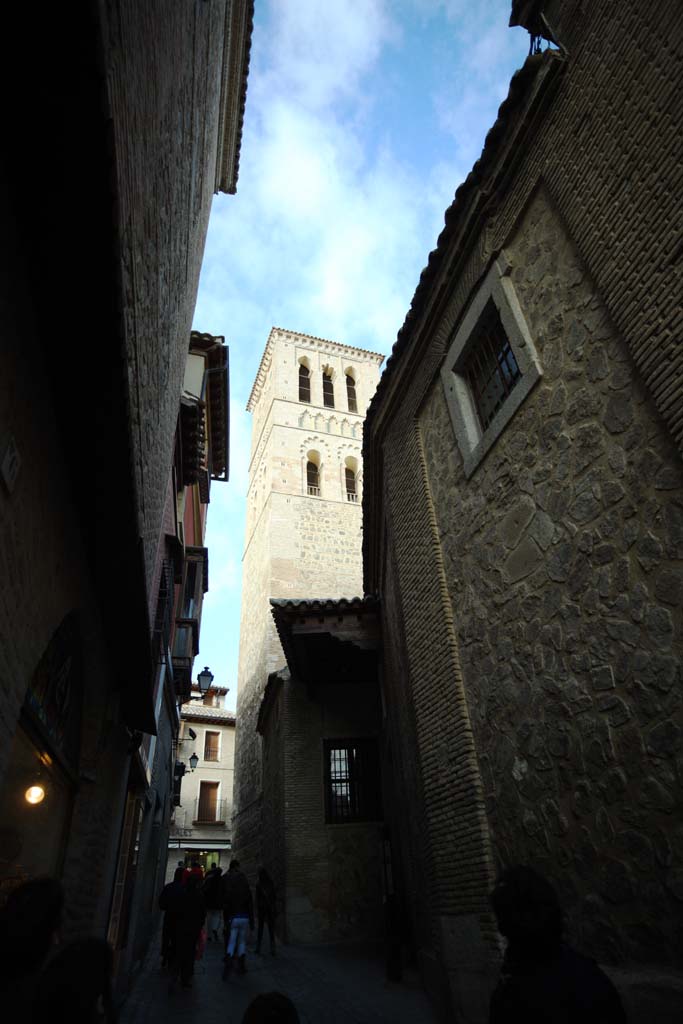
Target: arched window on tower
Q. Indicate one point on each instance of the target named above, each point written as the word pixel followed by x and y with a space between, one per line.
pixel 351 492
pixel 351 478
pixel 351 393
pixel 328 390
pixel 304 383
pixel 313 475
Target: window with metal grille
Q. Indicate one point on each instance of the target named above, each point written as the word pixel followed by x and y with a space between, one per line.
pixel 328 390
pixel 211 746
pixel 351 393
pixel 312 478
pixel 208 801
pixel 352 790
pixel 351 493
pixel 490 367
pixel 304 383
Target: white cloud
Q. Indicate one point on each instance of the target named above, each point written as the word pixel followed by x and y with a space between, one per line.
pixel 323 49
pixel 330 228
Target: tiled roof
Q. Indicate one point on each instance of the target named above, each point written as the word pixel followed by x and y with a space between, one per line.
pixel 204 711
pixel 325 605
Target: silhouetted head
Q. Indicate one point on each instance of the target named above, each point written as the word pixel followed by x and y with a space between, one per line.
pixel 234 865
pixel 192 884
pixel 527 910
pixel 29 923
pixel 271 1008
pixel 178 874
pixel 76 984
pixel 195 863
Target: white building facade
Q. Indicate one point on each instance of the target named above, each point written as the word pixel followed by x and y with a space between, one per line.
pixel 201 828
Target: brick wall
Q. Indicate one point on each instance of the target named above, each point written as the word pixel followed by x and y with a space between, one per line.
pixel 165 116
pixel 576 181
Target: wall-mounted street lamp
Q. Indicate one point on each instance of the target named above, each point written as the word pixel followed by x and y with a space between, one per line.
pixel 194 761
pixel 204 680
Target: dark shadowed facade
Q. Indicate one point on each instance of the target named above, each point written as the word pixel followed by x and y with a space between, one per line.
pixel 523 519
pixel 322 814
pixel 110 162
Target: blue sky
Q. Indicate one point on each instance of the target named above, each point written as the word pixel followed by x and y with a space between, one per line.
pixel 362 119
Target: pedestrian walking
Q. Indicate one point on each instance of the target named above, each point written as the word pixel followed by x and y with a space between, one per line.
pixel 238 910
pixel 265 908
pixel 213 895
pixel 194 871
pixel 189 920
pixel 168 902
pixel 543 980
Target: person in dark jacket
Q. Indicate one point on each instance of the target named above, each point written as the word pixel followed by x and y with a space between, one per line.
pixel 190 913
pixel 213 895
pixel 76 985
pixel 238 910
pixel 168 902
pixel 30 923
pixel 544 981
pixel 265 908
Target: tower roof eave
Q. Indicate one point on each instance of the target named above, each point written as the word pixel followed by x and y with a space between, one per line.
pixel 377 357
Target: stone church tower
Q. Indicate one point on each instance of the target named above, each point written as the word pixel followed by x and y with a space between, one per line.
pixel 303 532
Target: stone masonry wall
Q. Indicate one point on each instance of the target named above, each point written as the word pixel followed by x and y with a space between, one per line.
pixel 607 149
pixel 564 556
pixel 333 874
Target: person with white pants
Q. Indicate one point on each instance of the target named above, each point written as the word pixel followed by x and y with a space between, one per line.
pixel 238 909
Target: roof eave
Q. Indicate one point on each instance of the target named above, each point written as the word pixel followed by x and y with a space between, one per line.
pixel 239 22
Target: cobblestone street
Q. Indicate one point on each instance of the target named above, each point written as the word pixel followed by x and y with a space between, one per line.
pixel 328 984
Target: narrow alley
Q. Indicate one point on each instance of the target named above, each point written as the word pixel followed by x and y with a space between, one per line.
pixel 330 984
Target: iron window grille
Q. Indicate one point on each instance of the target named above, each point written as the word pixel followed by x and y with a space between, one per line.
pixel 328 391
pixel 304 383
pixel 490 368
pixel 352 789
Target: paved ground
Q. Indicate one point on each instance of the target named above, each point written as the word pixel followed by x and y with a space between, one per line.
pixel 328 985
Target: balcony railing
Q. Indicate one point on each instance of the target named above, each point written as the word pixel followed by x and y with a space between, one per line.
pixel 192 817
pixel 218 815
pixel 351 496
pixel 315 491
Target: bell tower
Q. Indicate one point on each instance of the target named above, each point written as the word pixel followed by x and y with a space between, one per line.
pixel 303 532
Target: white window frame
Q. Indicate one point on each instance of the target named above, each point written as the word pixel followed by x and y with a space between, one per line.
pixel 474 443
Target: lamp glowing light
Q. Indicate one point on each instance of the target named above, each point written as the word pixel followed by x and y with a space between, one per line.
pixel 34 795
